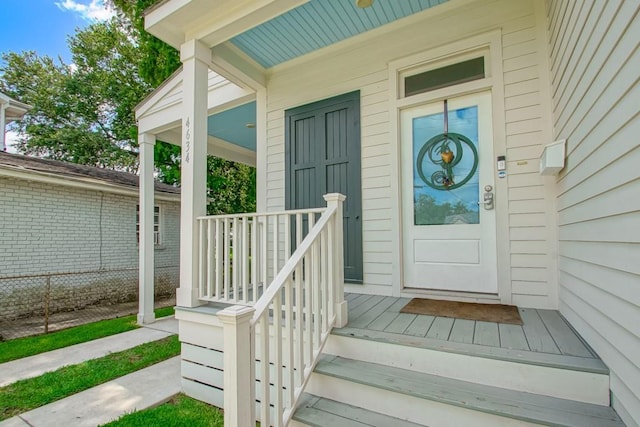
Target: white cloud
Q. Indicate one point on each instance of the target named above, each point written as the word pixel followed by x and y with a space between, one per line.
pixel 93 11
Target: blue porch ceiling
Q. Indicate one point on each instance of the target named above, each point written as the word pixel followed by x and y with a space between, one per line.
pixel 320 23
pixel 231 125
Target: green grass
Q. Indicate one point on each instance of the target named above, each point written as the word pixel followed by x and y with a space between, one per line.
pixel 32 393
pixel 181 411
pixel 28 346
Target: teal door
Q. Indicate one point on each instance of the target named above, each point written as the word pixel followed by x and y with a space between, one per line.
pixel 322 155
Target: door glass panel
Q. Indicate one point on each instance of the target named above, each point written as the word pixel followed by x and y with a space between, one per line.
pixel 445 172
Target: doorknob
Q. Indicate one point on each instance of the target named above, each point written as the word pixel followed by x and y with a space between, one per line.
pixel 487 198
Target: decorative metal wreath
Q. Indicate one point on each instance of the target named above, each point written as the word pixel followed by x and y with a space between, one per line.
pixel 438 150
pixel 439 153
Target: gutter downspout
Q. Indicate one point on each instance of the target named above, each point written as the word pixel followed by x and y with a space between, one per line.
pixel 3 106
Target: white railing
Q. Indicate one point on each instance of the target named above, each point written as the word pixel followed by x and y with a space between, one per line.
pixel 270 350
pixel 241 254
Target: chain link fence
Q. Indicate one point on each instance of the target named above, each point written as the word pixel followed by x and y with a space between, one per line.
pixel 31 305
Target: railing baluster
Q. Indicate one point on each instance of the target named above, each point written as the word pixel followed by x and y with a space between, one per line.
pixel 324 255
pixel 277 357
pixel 308 314
pixel 235 252
pixel 210 257
pixel 331 265
pixel 244 280
pixel 287 237
pixel 219 258
pixel 263 257
pixel 298 229
pixel 254 258
pixel 289 359
pixel 227 263
pixel 299 345
pixel 315 286
pixel 276 246
pixel 265 380
pixel 201 258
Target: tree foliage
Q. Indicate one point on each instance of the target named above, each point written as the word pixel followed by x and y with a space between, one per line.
pixel 84 112
pixel 231 186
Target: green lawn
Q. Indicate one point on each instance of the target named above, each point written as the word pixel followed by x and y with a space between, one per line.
pixel 28 346
pixel 181 411
pixel 31 393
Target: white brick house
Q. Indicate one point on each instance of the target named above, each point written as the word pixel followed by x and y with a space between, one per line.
pixel 58 217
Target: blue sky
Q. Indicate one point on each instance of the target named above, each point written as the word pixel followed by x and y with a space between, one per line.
pixel 43 25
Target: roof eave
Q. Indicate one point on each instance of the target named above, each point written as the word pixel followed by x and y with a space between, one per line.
pixel 176 21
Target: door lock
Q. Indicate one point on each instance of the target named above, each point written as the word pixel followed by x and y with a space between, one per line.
pixel 487 198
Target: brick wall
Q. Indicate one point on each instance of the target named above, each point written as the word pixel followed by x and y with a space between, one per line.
pixel 51 229
pixel 54 229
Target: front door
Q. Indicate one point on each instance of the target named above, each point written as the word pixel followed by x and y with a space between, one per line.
pixel 449 232
pixel 322 155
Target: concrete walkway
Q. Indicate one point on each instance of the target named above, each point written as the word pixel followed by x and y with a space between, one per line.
pixel 141 389
pixel 40 363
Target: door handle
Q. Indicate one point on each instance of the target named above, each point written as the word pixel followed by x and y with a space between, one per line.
pixel 487 199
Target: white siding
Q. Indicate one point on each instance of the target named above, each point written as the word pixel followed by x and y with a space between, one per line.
pixel 595 65
pixel 364 66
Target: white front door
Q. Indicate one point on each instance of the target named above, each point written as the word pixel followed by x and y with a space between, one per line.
pixel 449 235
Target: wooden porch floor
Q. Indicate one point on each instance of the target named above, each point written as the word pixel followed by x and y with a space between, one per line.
pixel 545 338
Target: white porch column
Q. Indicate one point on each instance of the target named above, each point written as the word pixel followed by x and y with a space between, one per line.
pixel 146 244
pixel 261 150
pixel 195 57
pixel 340 304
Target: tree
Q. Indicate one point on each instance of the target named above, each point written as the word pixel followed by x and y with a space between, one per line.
pixel 82 113
pixel 231 186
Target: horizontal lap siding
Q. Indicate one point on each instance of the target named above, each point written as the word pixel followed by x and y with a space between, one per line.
pixel 525 134
pixel 366 69
pixel 594 63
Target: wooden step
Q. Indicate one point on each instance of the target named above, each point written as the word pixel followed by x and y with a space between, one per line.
pixel 574 378
pixel 432 400
pixel 319 412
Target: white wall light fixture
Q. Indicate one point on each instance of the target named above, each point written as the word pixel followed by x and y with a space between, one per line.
pixel 552 158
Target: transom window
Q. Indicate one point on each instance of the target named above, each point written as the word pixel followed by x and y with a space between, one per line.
pixel 156 224
pixel 449 75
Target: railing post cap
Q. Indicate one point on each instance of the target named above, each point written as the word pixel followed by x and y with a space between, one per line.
pixel 236 313
pixel 334 197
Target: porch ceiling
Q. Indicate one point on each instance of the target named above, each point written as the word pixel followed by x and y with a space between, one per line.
pixel 320 23
pixel 231 125
pixel 274 31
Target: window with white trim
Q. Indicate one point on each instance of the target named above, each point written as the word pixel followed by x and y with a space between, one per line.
pixel 444 72
pixel 156 224
pixel 460 72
